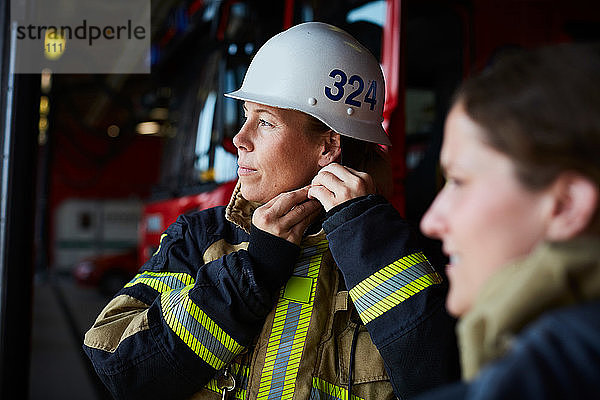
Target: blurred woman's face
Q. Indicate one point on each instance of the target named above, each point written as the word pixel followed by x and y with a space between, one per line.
pixel 483 215
pixel 275 154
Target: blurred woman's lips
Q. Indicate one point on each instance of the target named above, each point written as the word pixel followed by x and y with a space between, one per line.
pixel 454 259
pixel 245 171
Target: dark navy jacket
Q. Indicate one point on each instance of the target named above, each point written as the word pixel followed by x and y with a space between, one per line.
pixel 555 357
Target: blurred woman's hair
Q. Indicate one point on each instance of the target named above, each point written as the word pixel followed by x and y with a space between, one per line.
pixel 362 156
pixel 541 108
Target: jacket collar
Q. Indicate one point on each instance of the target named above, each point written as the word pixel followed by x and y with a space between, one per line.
pixel 553 276
pixel 239 212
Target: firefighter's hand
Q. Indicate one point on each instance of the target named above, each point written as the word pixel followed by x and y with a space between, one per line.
pixel 335 184
pixel 287 215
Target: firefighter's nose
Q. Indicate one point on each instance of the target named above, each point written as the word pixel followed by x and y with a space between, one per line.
pixel 242 141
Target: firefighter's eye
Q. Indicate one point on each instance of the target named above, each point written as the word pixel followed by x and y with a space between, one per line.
pixel 262 122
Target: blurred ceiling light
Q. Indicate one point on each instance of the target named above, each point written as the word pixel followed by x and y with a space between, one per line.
pixel 46 80
pixel 42 138
pixel 159 113
pixel 148 128
pixel 113 131
pixel 44 105
pixel 43 124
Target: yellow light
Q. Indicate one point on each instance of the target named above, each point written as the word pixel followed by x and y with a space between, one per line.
pixel 44 105
pixel 148 128
pixel 43 124
pixel 54 44
pixel 208 175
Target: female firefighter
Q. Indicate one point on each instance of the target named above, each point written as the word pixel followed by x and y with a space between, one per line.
pixel 520 222
pixel 246 300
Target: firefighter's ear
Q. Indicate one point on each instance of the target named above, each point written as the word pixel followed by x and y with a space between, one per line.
pixel 331 148
pixel 575 203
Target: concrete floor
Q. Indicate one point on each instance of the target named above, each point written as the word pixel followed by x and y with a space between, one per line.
pixel 62 312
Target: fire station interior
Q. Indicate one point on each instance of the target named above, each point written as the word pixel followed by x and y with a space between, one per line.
pixel 95 166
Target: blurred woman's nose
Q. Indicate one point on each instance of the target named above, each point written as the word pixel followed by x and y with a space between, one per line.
pixel 242 140
pixel 433 222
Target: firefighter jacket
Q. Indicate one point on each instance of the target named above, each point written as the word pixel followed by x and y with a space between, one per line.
pixel 534 331
pixel 222 304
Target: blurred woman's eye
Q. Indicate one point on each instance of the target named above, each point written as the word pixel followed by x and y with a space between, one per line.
pixel 453 182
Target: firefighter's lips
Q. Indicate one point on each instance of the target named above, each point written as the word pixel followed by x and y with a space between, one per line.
pixel 245 171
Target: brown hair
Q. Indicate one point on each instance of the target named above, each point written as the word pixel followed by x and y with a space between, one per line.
pixel 541 108
pixel 360 155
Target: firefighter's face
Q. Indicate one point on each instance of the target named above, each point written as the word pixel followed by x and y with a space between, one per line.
pixel 483 215
pixel 275 154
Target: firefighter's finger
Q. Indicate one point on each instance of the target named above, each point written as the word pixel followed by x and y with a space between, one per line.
pixel 329 180
pixel 285 211
pixel 325 196
pixel 284 202
pixel 342 172
pixel 297 231
pixel 336 184
pixel 300 212
pixel 359 183
pixel 365 178
pixel 293 194
pixel 291 207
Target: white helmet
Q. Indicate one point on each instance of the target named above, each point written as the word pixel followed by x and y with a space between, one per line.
pixel 321 70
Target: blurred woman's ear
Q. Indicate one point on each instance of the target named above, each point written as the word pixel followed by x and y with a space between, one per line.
pixel 331 148
pixel 575 206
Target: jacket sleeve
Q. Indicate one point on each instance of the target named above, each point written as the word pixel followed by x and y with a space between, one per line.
pixel 399 296
pixel 169 330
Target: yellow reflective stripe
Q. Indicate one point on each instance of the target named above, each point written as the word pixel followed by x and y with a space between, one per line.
pixel 323 390
pixel 387 272
pixel 196 329
pixel 392 285
pixel 289 331
pixel 162 281
pixel 213 386
pixel 399 296
pixel 164 235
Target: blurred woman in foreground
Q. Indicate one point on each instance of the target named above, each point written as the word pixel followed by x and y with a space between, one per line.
pixel 518 218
